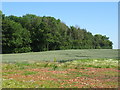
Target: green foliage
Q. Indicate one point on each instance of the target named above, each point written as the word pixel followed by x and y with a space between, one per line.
pixel 35 33
pixel 15 38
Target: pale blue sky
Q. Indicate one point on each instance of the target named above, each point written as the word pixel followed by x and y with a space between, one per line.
pixel 96 17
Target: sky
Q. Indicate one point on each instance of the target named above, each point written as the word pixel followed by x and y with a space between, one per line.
pixel 95 17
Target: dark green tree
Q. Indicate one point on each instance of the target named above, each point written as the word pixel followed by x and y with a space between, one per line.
pixel 15 38
pixel 35 33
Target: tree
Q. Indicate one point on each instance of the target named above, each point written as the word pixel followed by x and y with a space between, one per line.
pixel 15 38
pixel 35 33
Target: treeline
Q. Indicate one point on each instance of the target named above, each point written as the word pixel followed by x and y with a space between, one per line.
pixel 34 33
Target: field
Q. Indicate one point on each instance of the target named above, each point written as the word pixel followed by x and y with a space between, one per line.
pixel 61 69
pixel 62 55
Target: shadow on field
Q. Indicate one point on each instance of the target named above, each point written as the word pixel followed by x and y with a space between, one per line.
pixel 63 61
pixel 82 57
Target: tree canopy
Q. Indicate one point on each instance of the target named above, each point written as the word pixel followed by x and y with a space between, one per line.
pixel 36 33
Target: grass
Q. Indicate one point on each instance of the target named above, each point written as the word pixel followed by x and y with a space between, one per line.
pixel 29 73
pixel 61 69
pixel 90 73
pixel 62 55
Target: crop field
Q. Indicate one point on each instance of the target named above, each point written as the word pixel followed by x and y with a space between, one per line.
pixel 62 55
pixel 61 69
